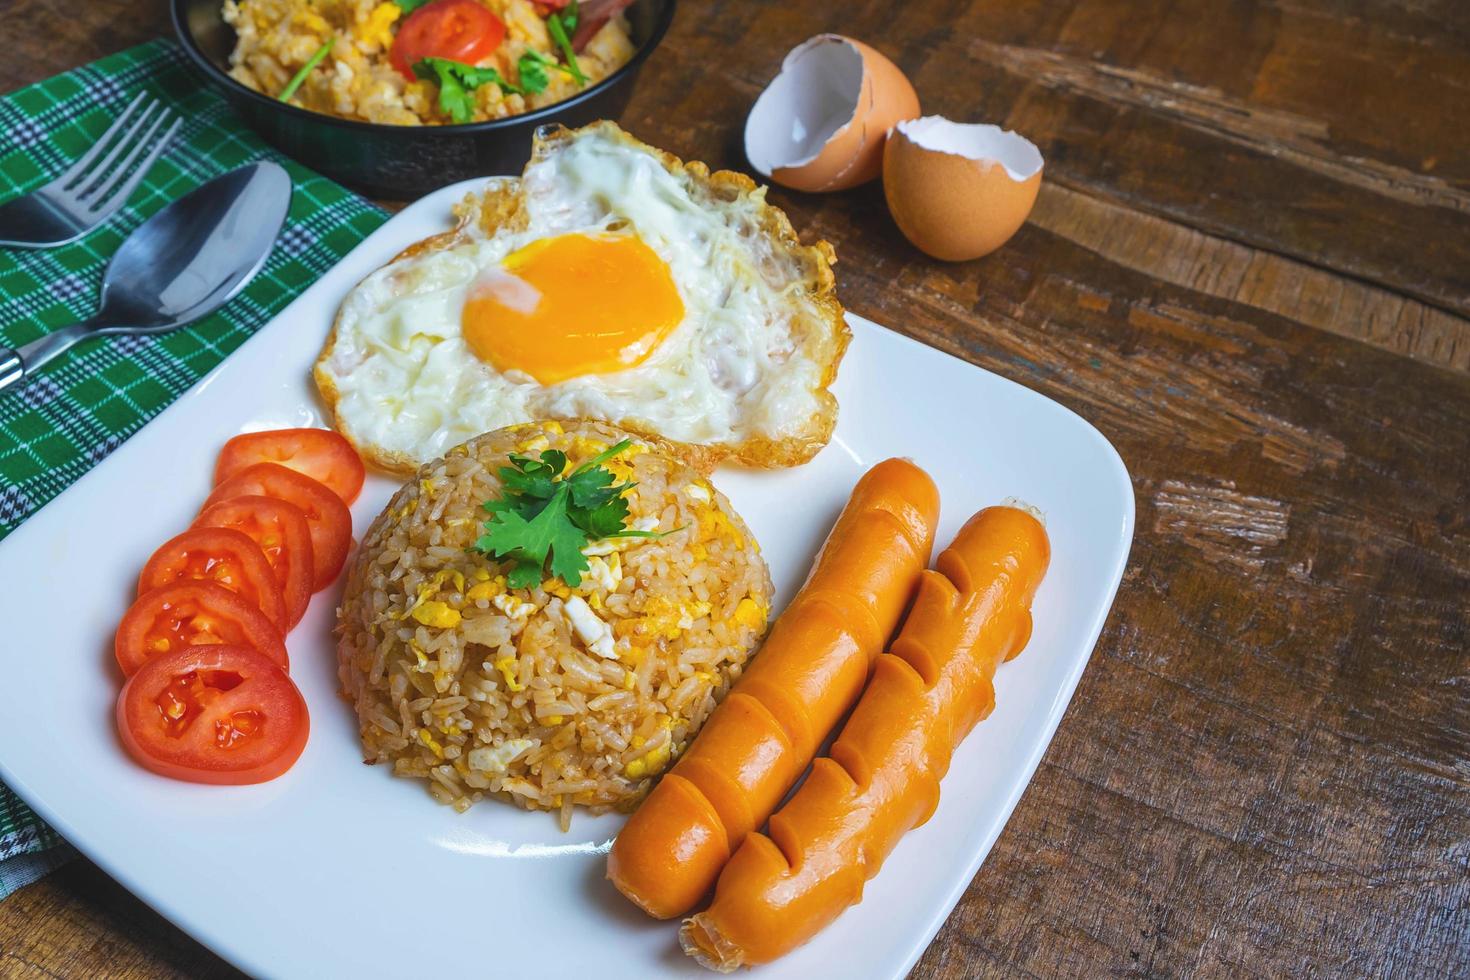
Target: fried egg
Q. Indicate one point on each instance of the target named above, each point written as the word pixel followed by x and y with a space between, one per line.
pixel 610 281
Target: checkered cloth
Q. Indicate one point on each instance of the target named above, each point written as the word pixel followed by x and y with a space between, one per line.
pixel 82 407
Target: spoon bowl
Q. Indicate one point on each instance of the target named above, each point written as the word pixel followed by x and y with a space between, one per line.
pixel 183 263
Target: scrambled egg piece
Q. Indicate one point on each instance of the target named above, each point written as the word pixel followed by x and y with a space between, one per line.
pixel 620 466
pixel 653 762
pixel 603 573
pixel 660 618
pixel 507 668
pixel 535 444
pixel 594 633
pixel 750 613
pixel 715 525
pixel 439 615
pixel 691 612
pixel 311 20
pixel 516 609
pixel 374 28
pixel 486 586
pixel 434 612
pixel 496 759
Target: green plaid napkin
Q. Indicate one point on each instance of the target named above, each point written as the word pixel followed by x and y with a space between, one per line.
pixel 82 407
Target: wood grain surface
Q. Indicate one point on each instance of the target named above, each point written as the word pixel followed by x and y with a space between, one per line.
pixel 1250 268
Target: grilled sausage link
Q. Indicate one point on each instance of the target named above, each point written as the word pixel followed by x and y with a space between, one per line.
pixel 882 777
pixel 810 671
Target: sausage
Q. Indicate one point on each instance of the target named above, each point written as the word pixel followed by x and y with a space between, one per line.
pixel 810 671
pixel 881 778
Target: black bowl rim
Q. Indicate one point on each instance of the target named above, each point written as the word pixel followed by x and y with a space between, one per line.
pixel 544 114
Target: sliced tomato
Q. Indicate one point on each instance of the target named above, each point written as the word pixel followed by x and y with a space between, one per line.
pixel 192 613
pixel 321 454
pixel 223 556
pixel 327 517
pixel 213 714
pixel 459 30
pixel 284 537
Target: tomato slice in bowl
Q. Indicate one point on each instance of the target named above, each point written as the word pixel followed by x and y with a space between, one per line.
pixel 321 454
pixel 221 555
pixel 284 537
pixel 327 517
pixel 192 613
pixel 213 714
pixel 459 30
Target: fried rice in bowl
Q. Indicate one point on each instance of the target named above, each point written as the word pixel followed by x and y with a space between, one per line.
pixel 552 696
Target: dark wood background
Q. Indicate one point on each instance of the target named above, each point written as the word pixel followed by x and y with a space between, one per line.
pixel 1250 267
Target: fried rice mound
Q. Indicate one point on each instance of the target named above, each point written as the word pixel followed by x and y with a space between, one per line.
pixel 549 697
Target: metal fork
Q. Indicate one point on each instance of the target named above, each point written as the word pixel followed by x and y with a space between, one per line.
pixel 92 189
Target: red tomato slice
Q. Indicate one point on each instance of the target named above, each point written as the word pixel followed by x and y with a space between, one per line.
pixel 187 614
pixel 459 30
pixel 221 555
pixel 327 516
pixel 284 537
pixel 213 714
pixel 321 454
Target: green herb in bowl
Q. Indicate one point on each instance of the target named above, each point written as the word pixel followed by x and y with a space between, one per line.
pixel 306 69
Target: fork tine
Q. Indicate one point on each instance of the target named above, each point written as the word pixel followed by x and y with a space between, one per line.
pixel 77 169
pixel 98 192
pixel 109 203
pixel 98 172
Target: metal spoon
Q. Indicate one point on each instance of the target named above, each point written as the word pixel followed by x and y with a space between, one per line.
pixel 183 263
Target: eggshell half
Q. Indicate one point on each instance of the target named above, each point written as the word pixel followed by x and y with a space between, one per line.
pixel 956 190
pixel 821 123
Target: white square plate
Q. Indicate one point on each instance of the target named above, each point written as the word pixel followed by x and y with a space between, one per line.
pixel 338 869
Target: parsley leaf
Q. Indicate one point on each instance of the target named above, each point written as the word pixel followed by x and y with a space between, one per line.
pixel 528 543
pixel 534 478
pixel 545 518
pixel 593 489
pixel 607 521
pixel 532 68
pixel 456 82
pixel 409 6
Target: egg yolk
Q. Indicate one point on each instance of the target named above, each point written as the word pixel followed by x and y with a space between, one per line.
pixel 572 305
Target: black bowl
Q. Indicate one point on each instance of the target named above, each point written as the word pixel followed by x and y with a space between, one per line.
pixel 404 162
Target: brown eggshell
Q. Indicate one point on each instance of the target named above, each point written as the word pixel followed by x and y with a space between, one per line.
pixel 822 78
pixel 951 205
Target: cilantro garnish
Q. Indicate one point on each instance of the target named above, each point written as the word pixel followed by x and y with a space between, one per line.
pixel 562 25
pixel 456 82
pixel 409 6
pixel 545 519
pixel 532 66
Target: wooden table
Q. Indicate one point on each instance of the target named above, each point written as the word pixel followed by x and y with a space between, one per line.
pixel 1250 268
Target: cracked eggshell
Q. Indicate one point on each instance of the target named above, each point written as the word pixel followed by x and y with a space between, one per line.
pixel 959 190
pixel 821 123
